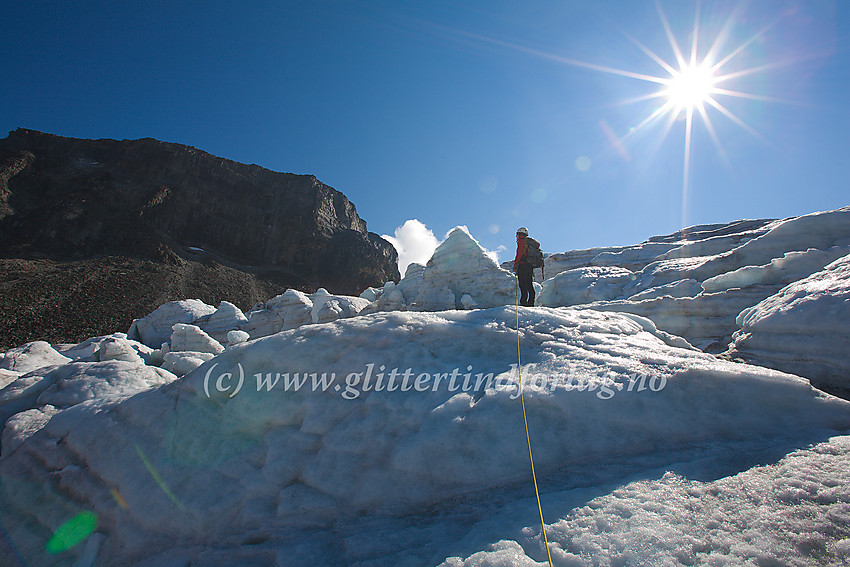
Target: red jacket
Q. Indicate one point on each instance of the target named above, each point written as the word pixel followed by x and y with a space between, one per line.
pixel 521 250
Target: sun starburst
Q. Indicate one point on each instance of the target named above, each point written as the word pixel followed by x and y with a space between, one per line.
pixel 691 87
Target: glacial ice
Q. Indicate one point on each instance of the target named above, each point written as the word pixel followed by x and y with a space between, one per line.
pixel 803 328
pixel 647 450
pixel 264 462
pixel 31 356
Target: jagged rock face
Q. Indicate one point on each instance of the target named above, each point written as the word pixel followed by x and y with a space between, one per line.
pixel 63 198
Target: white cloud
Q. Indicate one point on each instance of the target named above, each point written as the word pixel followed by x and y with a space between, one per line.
pixel 494 254
pixel 414 242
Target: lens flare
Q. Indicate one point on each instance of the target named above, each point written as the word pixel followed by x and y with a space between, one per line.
pixel 72 532
pixel 156 477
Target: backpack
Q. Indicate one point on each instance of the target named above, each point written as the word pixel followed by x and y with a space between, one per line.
pixel 535 255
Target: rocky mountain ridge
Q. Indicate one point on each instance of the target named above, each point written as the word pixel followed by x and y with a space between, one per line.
pixel 187 213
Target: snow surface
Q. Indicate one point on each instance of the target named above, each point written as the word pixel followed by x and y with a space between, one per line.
pixel 405 444
pixel 7 377
pixel 794 512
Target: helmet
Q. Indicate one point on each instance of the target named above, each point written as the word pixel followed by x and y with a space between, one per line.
pixel 522 230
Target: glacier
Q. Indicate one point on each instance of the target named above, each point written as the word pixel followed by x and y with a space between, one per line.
pixel 679 395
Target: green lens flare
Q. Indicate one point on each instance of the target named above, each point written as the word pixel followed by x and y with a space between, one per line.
pixel 72 532
pixel 158 479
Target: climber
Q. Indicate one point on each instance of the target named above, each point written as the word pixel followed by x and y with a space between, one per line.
pixel 527 252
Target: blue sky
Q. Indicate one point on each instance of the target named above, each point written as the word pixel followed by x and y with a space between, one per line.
pixel 490 114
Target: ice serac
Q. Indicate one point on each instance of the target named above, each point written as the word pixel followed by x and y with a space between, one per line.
pixel 821 230
pixel 206 474
pixel 192 325
pixel 190 338
pixel 693 283
pixel 585 285
pixel 156 327
pixel 802 329
pixel 706 320
pixel 110 347
pixel 31 356
pixel 459 266
pixel 227 317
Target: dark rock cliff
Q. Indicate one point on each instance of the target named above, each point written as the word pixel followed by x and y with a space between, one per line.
pixel 70 200
pixel 65 198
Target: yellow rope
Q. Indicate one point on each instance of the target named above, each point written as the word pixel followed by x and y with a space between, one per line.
pixel 528 437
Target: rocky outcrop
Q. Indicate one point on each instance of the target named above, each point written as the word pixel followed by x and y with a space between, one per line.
pixel 139 202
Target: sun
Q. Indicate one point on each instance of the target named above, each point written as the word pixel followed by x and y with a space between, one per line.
pixel 691 87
